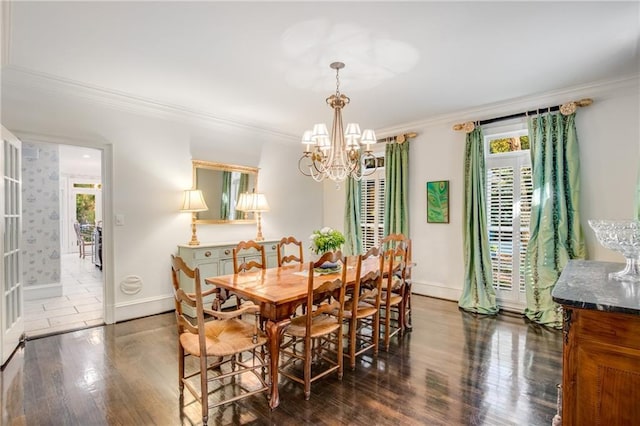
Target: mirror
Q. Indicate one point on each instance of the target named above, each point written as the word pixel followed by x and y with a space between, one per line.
pixel 221 185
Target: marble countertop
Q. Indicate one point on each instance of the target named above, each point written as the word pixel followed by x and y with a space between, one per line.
pixel 585 284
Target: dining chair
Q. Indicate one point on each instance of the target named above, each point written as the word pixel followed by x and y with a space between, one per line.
pixel 244 260
pixel 312 343
pixel 287 248
pixel 217 344
pixel 248 249
pixel 82 240
pixel 393 293
pixel 392 241
pixel 362 308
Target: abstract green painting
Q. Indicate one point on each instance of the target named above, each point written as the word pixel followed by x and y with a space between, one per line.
pixel 438 201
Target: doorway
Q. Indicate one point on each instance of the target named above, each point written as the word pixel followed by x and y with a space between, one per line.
pixel 78 299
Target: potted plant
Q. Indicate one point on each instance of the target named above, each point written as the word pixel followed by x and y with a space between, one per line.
pixel 324 240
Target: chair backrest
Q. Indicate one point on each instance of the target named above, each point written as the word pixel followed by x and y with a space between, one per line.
pixel 76 227
pixel 285 246
pixel 179 269
pixel 392 241
pixel 240 265
pixel 368 286
pixel 328 296
pixel 395 261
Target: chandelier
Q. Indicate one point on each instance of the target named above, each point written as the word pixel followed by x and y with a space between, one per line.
pixel 337 156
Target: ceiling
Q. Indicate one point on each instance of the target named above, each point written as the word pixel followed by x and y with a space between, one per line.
pixel 266 64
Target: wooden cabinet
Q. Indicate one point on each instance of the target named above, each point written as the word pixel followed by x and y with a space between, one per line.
pixel 601 368
pixel 217 259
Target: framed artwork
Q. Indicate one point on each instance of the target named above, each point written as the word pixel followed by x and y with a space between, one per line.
pixel 438 201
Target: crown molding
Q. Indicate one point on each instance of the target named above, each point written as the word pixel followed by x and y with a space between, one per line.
pixel 525 103
pixel 20 77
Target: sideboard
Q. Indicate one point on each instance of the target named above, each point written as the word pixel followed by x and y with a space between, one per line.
pixel 215 259
pixel 601 345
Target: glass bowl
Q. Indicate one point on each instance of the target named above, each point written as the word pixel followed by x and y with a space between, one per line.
pixel 622 236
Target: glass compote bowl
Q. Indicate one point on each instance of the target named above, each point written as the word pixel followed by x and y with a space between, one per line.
pixel 622 236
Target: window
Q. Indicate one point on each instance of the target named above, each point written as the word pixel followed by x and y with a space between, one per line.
pixel 372 207
pixel 509 190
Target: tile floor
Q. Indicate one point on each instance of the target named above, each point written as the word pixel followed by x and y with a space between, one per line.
pixel 81 303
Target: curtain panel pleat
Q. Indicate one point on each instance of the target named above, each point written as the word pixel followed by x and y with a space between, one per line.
pixel 396 209
pixel 352 231
pixel 555 231
pixel 478 294
pixel 243 187
pixel 226 195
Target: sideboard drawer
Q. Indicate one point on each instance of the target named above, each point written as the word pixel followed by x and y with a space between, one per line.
pixel 206 253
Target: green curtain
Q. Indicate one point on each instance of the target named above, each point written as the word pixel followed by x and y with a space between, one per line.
pixel 555 232
pixel 352 231
pixel 226 195
pixel 243 186
pixel 396 202
pixel 478 294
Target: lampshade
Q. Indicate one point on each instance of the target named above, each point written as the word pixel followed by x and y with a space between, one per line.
pixel 193 201
pixel 252 202
pixel 243 202
pixel 258 203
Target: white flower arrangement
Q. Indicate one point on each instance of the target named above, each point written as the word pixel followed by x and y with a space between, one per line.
pixel 326 239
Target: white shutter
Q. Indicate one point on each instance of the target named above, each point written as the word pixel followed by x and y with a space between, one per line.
pixel 367 213
pixel 372 209
pixel 526 192
pixel 500 217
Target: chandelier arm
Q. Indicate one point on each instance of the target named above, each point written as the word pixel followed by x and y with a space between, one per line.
pixel 300 163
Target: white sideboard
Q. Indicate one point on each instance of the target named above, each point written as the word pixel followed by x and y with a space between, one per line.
pixel 217 259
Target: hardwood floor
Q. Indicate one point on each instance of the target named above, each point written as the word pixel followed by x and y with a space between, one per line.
pixel 453 368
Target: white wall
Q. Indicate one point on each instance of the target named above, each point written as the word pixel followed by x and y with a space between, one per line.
pixel 151 167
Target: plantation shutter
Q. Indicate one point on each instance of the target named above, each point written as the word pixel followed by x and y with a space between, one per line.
pixel 500 188
pixel 372 210
pixel 526 192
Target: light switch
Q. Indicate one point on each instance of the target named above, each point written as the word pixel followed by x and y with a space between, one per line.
pixel 119 220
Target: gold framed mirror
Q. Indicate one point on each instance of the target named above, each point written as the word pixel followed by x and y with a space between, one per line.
pixel 221 185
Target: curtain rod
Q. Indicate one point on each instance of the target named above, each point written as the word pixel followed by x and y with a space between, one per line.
pixel 565 109
pixel 398 138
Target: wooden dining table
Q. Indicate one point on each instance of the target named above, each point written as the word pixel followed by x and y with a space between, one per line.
pixel 279 291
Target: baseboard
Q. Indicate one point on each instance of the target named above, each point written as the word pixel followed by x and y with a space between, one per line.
pixel 42 291
pixel 436 290
pixel 144 307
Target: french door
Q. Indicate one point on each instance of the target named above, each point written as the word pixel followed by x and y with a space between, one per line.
pixel 11 314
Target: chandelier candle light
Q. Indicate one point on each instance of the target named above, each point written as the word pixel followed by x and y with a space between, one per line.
pixel 337 155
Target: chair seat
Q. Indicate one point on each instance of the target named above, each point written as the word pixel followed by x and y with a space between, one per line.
pixel 364 310
pixel 394 300
pixel 321 325
pixel 223 338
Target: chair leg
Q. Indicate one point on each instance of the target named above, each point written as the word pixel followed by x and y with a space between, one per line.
pixel 307 369
pixel 353 325
pixel 375 331
pixel 387 327
pixel 204 391
pixel 180 368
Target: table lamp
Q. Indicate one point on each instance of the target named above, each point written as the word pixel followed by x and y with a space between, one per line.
pixel 193 202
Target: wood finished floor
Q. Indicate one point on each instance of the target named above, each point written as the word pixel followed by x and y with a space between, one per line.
pixel 454 368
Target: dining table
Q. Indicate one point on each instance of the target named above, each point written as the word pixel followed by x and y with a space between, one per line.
pixel 279 291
